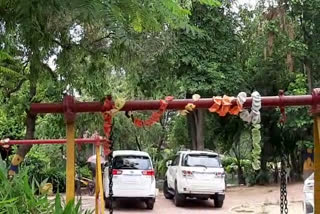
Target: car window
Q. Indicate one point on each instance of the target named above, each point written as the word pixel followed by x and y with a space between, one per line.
pixel 201 160
pixel 132 162
pixel 176 161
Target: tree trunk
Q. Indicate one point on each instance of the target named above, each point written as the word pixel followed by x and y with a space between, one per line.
pixel 241 178
pixel 308 71
pixel 30 121
pixel 31 126
pixel 192 130
pixel 196 128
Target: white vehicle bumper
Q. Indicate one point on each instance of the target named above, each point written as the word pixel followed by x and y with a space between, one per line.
pixel 130 193
pixel 187 186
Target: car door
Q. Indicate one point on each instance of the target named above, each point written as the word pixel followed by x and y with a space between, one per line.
pixel 172 171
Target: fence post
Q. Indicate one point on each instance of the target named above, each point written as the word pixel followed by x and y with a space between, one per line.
pixel 316 133
pixel 70 173
pixel 69 116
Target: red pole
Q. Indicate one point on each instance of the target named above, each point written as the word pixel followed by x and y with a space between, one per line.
pixel 53 141
pixel 268 101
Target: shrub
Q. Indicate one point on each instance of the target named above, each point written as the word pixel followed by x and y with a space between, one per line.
pixel 19 196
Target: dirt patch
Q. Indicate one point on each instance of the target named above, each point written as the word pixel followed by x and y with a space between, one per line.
pixel 265 208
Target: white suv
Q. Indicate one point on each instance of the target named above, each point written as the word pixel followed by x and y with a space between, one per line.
pixel 195 174
pixel 133 177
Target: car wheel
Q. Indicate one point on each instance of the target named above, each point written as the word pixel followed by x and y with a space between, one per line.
pixel 178 198
pixel 166 192
pixel 150 204
pixel 218 203
pixel 107 203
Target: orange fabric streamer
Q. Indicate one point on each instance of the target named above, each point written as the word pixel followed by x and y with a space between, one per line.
pixel 235 110
pixel 217 101
pixel 155 116
pixel 223 106
pixel 226 104
pixel 107 126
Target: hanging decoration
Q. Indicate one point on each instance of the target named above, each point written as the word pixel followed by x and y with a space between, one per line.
pixel 190 106
pixel 256 148
pixel 223 105
pixel 254 118
pixel 118 105
pixel 155 116
pixel 107 126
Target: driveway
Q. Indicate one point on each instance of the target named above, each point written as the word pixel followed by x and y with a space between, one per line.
pixel 239 200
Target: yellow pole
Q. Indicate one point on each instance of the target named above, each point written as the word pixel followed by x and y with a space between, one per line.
pixel 99 186
pixel 70 171
pixel 316 133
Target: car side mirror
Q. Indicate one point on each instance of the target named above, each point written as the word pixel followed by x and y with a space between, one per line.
pixel 169 163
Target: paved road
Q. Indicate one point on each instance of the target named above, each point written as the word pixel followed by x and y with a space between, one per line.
pixel 244 196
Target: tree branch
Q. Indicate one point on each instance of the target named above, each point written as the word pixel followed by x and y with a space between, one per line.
pixel 102 38
pixel 51 72
pixel 17 88
pixel 68 46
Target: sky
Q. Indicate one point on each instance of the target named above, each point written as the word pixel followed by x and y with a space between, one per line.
pixel 250 2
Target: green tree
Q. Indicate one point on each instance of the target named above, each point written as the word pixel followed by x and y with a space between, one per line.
pixel 88 39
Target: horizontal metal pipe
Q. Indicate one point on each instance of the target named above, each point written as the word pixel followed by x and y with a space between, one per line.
pixel 268 101
pixel 51 141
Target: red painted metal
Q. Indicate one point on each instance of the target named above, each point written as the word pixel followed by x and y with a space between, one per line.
pixel 316 106
pixel 268 101
pixel 53 141
pixel 69 114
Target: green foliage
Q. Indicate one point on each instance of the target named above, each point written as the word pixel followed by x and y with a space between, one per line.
pixel 19 196
pixel 150 49
pixel 10 126
pixel 178 133
pixel 160 164
pixel 71 207
pixel 85 172
pixel 47 162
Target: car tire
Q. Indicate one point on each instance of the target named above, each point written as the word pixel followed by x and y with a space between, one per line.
pixel 178 198
pixel 107 203
pixel 218 203
pixel 150 204
pixel 166 192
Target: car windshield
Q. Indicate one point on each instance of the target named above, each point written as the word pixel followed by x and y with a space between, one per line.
pixel 132 162
pixel 206 160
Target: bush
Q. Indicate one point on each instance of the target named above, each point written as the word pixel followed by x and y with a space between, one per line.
pixel 47 162
pixel 18 196
pixel 263 177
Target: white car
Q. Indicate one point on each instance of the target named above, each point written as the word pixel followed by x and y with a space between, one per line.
pixel 133 177
pixel 195 174
pixel 308 190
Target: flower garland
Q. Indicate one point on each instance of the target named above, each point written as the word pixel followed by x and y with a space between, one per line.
pixel 155 116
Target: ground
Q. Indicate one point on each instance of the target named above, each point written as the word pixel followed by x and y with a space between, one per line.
pixel 239 200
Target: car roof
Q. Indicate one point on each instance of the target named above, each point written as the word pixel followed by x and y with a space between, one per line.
pixel 130 152
pixel 198 152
